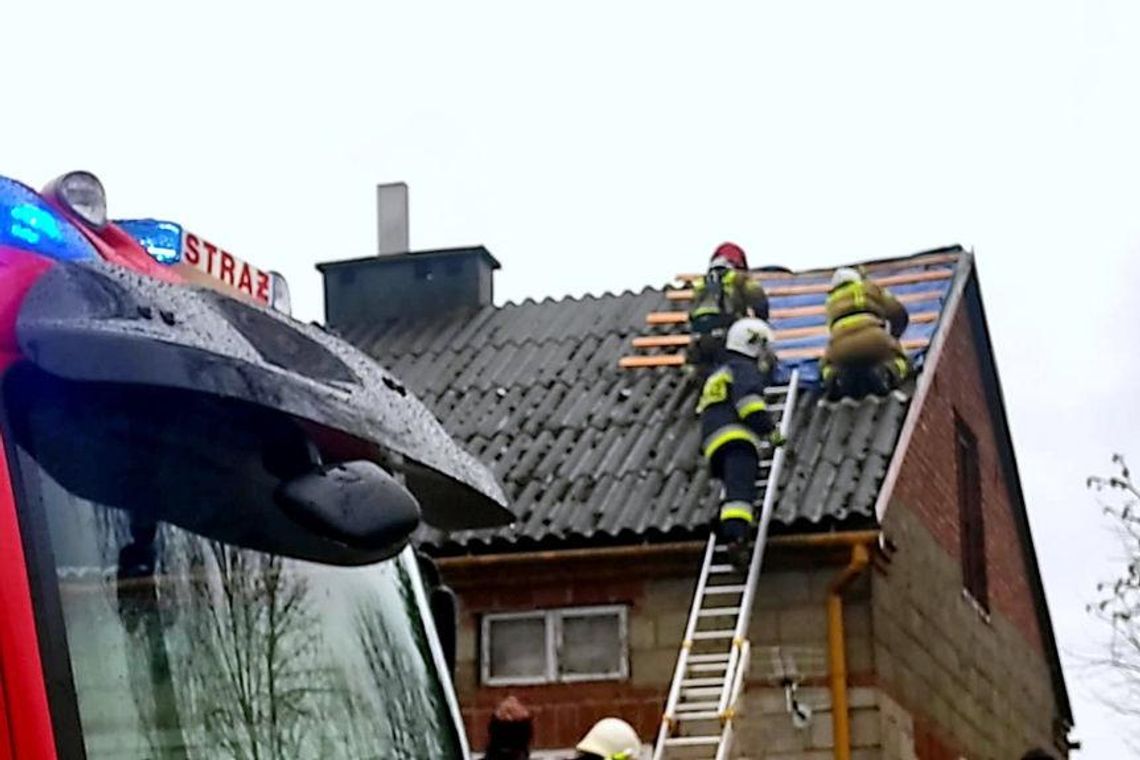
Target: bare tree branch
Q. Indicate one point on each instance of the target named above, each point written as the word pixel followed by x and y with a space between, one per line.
pixel 1118 602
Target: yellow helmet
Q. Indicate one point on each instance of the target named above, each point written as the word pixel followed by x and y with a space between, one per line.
pixel 612 739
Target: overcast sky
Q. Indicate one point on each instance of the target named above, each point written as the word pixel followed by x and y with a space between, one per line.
pixel 599 148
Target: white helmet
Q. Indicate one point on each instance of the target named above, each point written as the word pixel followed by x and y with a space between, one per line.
pixel 611 739
pixel 748 336
pixel 844 275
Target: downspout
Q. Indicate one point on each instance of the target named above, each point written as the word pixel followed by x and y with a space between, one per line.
pixel 837 655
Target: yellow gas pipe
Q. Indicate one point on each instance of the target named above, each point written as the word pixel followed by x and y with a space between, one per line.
pixel 837 655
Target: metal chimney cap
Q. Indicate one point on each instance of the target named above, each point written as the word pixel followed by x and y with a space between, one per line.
pixel 392 218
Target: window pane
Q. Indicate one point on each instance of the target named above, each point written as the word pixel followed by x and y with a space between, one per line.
pixel 971 517
pixel 591 645
pixel 518 647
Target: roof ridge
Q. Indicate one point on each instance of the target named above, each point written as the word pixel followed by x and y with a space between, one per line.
pixel 588 296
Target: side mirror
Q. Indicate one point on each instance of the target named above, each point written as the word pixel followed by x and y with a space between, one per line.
pixel 445 615
pixel 226 470
pixel 444 607
pixel 356 503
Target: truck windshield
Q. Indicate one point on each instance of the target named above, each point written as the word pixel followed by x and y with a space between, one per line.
pixel 182 646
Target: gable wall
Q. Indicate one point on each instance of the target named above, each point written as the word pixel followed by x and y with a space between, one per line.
pixel 974 682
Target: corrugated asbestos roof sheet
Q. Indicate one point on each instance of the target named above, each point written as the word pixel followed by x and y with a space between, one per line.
pixel 592 454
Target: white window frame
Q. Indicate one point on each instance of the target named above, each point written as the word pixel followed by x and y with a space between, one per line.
pixel 552 630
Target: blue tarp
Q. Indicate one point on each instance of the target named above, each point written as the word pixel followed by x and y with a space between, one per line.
pixel 809 368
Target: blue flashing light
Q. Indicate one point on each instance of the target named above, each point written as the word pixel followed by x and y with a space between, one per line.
pixel 162 240
pixel 31 223
pixel 28 223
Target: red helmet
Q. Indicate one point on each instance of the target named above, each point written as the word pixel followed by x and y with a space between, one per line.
pixel 729 254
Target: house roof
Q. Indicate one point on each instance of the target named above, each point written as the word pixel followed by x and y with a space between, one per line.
pixel 591 454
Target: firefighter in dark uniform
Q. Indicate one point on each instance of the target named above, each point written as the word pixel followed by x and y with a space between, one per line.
pixel 726 293
pixel 863 353
pixel 735 423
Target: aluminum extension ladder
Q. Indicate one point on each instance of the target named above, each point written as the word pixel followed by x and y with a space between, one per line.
pixel 709 677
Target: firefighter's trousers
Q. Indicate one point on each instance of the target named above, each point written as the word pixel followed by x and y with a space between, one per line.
pixel 741 467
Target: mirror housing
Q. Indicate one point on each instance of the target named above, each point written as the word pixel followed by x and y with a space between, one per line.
pixel 223 469
pixel 356 503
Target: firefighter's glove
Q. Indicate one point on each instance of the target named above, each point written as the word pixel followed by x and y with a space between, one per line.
pixel 776 438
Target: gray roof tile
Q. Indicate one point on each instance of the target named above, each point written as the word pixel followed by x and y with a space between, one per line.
pixel 589 453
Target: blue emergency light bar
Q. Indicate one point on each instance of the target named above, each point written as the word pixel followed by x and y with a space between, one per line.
pixel 30 224
pixel 162 240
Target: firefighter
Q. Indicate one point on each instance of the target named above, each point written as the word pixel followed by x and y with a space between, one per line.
pixel 735 422
pixel 609 739
pixel 726 293
pixel 863 352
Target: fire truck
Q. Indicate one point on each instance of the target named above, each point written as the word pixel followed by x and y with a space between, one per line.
pixel 206 508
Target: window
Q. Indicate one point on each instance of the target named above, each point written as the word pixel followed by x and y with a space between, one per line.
pixel 545 646
pixel 971 520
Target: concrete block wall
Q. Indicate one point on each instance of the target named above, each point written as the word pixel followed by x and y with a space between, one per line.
pixel 767 732
pixel 973 685
pixel 977 683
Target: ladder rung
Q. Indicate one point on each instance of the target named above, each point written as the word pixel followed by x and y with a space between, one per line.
pixel 706 658
pixel 735 588
pixel 713 635
pixel 692 682
pixel 721 569
pixel 723 548
pixel 719 612
pixel 711 667
pixel 692 741
pixel 703 691
pixel 690 707
pixel 703 714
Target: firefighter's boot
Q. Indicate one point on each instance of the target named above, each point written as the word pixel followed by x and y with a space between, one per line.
pixel 734 528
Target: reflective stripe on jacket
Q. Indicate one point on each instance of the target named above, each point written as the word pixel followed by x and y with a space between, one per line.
pixel 736 295
pixel 732 406
pixel 854 304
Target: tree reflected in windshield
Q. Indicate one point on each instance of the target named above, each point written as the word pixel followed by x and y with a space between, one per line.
pixel 184 647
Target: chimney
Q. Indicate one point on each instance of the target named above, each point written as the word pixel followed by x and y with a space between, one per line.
pixel 402 284
pixel 392 218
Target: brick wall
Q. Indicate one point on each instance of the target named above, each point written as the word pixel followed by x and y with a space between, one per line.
pixel 928 482
pixel 789 627
pixel 562 712
pixel 976 685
